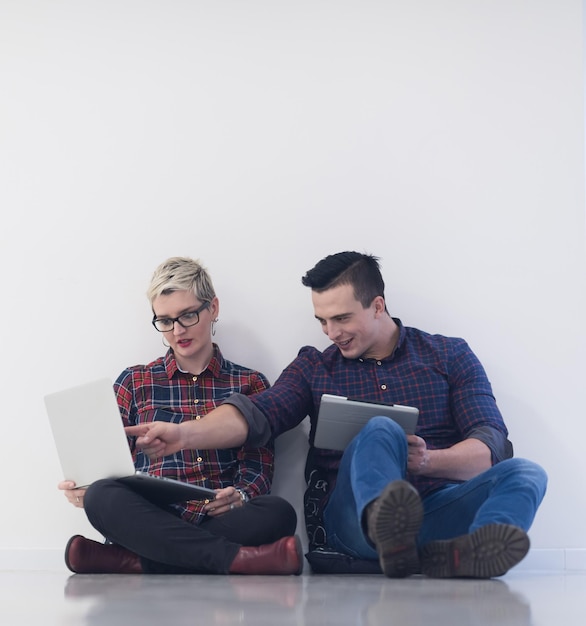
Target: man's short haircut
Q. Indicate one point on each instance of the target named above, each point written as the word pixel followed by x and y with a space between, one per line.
pixel 362 271
pixel 181 274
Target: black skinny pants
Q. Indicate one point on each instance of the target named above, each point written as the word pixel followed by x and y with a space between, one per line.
pixel 168 544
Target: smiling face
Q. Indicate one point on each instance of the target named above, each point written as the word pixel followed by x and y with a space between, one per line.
pixel 357 332
pixel 192 345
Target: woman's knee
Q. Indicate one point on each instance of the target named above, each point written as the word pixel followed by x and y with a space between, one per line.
pixel 99 495
pixel 282 512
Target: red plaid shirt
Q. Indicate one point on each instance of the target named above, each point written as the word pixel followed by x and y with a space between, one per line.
pixel 159 391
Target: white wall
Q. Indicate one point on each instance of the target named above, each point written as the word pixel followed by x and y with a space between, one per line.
pixel 445 137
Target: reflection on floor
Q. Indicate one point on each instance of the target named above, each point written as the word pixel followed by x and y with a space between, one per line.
pixel 518 599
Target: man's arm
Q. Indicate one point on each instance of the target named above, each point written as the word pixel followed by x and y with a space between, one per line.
pixel 224 427
pixel 461 461
pixel 478 419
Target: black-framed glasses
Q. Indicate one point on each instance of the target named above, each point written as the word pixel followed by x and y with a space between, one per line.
pixel 191 318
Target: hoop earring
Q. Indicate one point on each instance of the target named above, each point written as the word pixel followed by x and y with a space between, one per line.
pixel 167 345
pixel 214 322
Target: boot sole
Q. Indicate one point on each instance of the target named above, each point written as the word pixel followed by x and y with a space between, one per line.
pixel 396 518
pixel 487 552
pixel 299 550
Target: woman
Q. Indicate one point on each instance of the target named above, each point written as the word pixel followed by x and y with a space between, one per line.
pixel 243 530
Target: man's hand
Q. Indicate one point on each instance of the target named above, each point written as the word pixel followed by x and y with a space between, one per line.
pixel 417 455
pixel 462 461
pixel 157 439
pixel 73 495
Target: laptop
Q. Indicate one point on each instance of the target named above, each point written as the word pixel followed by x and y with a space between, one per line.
pixel 340 419
pixel 92 444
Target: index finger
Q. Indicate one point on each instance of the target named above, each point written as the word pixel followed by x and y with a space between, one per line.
pixel 137 431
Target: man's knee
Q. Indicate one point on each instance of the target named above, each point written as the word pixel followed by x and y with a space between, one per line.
pixel 381 426
pixel 528 474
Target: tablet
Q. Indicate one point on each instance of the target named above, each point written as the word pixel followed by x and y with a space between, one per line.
pixel 340 419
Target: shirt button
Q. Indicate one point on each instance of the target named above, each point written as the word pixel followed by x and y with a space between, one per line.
pixel 199 459
pixel 378 363
pixel 197 417
pixel 383 387
pixel 195 401
pixel 194 379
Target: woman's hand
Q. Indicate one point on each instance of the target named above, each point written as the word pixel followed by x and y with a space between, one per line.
pixel 75 496
pixel 226 500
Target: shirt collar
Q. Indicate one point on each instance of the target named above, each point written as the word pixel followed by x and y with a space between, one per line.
pixel 214 367
pixel 402 334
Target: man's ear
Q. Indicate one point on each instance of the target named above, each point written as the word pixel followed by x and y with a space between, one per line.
pixel 379 306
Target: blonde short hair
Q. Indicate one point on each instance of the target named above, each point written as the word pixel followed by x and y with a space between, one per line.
pixel 181 274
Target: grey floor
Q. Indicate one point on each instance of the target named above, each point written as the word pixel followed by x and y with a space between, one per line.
pixel 517 599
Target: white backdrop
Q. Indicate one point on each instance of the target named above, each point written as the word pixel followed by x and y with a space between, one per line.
pixel 261 135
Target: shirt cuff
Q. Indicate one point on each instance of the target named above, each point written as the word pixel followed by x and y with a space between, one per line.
pixel 259 431
pixel 500 447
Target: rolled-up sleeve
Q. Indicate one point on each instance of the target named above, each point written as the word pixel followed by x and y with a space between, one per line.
pixel 500 447
pixel 259 430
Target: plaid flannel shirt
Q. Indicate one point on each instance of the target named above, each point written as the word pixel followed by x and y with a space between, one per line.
pixel 441 376
pixel 160 391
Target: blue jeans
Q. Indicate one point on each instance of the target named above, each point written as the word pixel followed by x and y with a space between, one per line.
pixel 508 493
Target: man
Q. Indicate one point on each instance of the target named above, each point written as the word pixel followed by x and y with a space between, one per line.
pixel 448 501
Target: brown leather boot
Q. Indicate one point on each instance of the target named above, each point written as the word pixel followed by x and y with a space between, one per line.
pixel 281 558
pixel 85 556
pixel 393 522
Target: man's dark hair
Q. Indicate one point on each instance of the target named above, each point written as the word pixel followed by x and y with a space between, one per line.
pixel 362 271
